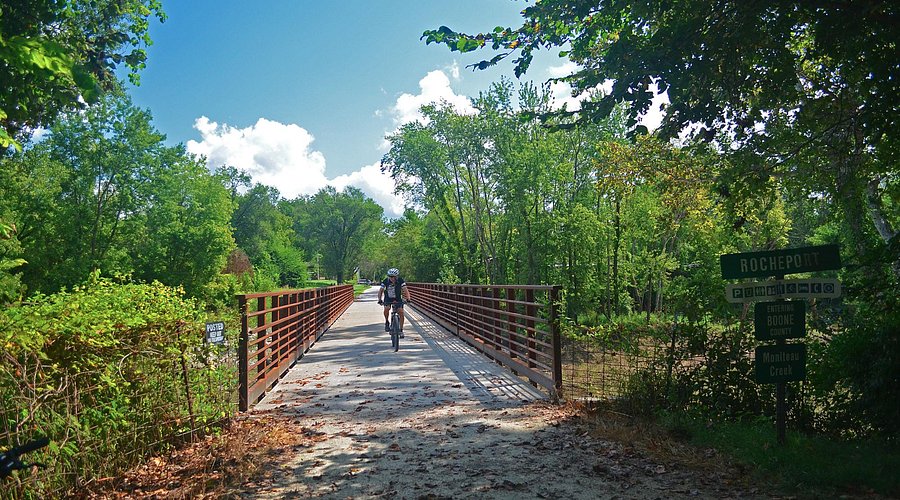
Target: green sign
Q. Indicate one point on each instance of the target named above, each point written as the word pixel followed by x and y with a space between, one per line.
pixel 779 320
pixel 780 262
pixel 780 363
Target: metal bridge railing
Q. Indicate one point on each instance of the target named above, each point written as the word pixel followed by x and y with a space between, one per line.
pixel 516 326
pixel 277 328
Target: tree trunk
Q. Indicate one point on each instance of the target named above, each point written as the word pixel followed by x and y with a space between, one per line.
pixel 618 224
pixel 882 225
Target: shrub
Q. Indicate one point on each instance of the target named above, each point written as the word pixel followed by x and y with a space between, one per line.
pixel 108 372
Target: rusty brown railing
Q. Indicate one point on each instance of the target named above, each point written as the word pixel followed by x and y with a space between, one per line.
pixel 516 326
pixel 285 325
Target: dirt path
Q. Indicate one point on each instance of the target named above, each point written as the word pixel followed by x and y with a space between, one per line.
pixel 437 420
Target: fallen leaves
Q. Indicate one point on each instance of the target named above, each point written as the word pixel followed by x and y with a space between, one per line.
pixel 214 466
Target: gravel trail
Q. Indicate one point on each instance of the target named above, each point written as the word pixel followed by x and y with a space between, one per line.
pixel 438 420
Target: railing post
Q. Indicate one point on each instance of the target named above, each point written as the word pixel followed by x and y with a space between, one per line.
pixel 556 340
pixel 496 337
pixel 512 323
pixel 243 385
pixel 261 347
pixel 530 331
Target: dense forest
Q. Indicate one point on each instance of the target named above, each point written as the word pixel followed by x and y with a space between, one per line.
pixel 111 241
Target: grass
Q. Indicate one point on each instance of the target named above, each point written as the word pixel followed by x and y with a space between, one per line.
pixel 807 466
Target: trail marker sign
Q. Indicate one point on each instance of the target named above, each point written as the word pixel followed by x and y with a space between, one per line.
pixel 779 320
pixel 780 363
pixel 822 288
pixel 780 262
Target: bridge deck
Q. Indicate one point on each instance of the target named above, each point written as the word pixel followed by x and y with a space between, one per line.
pixel 435 420
pixel 432 366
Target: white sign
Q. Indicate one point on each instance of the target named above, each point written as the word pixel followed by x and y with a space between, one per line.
pixel 824 288
pixel 215 332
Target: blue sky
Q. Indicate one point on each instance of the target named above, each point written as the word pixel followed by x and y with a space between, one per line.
pixel 301 93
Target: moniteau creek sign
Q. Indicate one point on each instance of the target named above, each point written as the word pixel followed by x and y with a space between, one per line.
pixel 780 262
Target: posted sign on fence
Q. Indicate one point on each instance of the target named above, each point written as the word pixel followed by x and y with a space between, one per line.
pixel 215 332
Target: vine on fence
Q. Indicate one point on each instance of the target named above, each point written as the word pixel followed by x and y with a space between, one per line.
pixel 109 372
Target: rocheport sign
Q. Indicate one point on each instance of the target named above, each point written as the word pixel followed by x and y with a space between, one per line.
pixel 780 262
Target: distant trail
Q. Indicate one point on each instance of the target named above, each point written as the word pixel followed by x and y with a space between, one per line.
pixel 439 420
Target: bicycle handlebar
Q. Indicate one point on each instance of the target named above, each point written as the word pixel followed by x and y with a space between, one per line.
pixel 9 460
pixel 34 445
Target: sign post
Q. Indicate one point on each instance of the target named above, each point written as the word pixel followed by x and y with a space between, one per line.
pixel 782 319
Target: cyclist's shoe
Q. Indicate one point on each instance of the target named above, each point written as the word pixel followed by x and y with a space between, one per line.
pixel 387 326
pixel 401 334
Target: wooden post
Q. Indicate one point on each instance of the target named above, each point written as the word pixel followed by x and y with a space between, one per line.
pixel 780 396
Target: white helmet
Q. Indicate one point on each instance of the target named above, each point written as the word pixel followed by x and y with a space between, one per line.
pixel 393 272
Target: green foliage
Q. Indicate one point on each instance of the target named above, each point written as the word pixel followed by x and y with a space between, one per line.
pixel 265 230
pixel 10 284
pixel 856 375
pixel 805 96
pixel 101 371
pixel 54 53
pixel 103 192
pixel 337 226
pixel 809 466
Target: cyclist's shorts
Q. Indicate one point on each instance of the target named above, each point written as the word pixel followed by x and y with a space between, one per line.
pixel 388 302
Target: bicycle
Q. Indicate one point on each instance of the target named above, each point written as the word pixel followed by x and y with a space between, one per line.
pixel 9 460
pixel 395 326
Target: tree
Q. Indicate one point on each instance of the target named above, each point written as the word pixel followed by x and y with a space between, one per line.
pixel 265 233
pixel 340 223
pixel 53 53
pixel 185 233
pixel 76 193
pixel 103 192
pixel 808 91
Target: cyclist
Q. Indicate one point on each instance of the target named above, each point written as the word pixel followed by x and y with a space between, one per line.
pixel 393 289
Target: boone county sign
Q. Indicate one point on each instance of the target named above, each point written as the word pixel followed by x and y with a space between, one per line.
pixel 780 262
pixel 779 320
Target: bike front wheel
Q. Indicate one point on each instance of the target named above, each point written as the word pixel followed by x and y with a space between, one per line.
pixel 395 334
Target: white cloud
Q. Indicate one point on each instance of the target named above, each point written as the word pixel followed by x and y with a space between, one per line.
pixel 454 70
pixel 653 117
pixel 281 155
pixel 376 185
pixel 564 69
pixel 273 153
pixel 561 94
pixel 433 88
